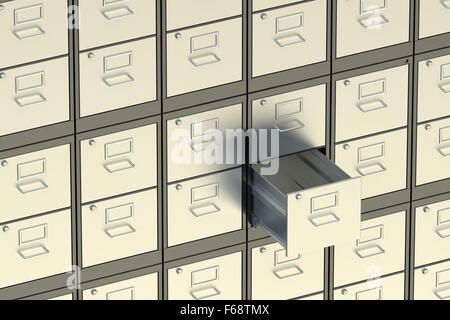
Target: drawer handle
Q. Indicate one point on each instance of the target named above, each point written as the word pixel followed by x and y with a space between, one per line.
pixel 371 169
pixel 118 79
pixel 118 231
pixel 289 125
pixel 445 87
pixel 30 99
pixel 373 21
pixel 204 210
pixel 287 272
pixel 117 13
pixel 120 165
pixel 30 32
pixel 323 219
pixel 443 293
pixel 446 4
pixel 203 145
pixel 205 293
pixel 289 40
pixel 204 59
pixel 443 232
pixel 371 105
pixel 33 252
pixel 370 251
pixel 32 186
pixel 444 151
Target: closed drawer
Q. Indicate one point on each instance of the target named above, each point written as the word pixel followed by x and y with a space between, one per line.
pixel 204 207
pixel 380 160
pixel 34 96
pixel 213 279
pixel 380 250
pixel 118 163
pixel 434 17
pixel 35 248
pixel 372 103
pixel 28 34
pixel 109 21
pixel 264 4
pixel 299 116
pixel 375 23
pixel 64 297
pixel 289 37
pixel 139 288
pixel 204 57
pixel 276 276
pixel 433 88
pixel 319 296
pixel 387 288
pixel 119 228
pixel 117 76
pixel 35 182
pixel 184 13
pixel 432 233
pixel 195 143
pixel 433 151
pixel 432 282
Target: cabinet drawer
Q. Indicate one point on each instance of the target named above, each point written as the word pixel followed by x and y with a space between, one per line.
pixel 289 37
pixel 110 21
pixel 276 276
pixel 434 17
pixel 264 4
pixel 213 279
pixel 204 207
pixel 432 282
pixel 380 250
pixel 204 57
pixel 28 34
pixel 139 288
pixel 433 151
pixel 119 228
pixel 118 163
pixel 432 237
pixel 299 116
pixel 34 96
pixel 117 76
pixel 35 182
pixel 319 296
pixel 375 23
pixel 372 103
pixel 192 142
pixel 380 160
pixel 64 297
pixel 35 248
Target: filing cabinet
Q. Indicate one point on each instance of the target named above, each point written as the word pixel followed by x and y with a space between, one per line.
pixel 432 282
pixel 433 17
pixel 319 296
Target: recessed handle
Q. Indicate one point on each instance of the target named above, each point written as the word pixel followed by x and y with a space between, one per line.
pixel 287 272
pixel 369 106
pixel 373 21
pixel 120 165
pixel 289 125
pixel 371 169
pixel 32 186
pixel 30 99
pixel 205 59
pixel 322 219
pixel 289 40
pixel 119 12
pixel 444 151
pixel 369 251
pixel 443 232
pixel 446 4
pixel 445 87
pixel 204 210
pixel 118 79
pixel 203 144
pixel 118 231
pixel 33 252
pixel 205 293
pixel 443 293
pixel 30 32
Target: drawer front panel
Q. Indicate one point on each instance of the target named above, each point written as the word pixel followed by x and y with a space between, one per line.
pixel 433 17
pixel 317 297
pixel 265 4
pixel 432 282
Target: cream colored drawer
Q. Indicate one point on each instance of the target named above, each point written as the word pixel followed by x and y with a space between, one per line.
pixel 118 163
pixel 434 17
pixel 432 282
pixel 110 21
pixel 204 207
pixel 387 288
pixel 433 151
pixel 35 248
pixel 276 276
pixel 299 116
pixel 32 30
pixel 119 228
pixel 432 233
pixel 34 96
pixel 433 88
pixel 192 142
pixel 204 57
pixel 213 279
pixel 374 23
pixel 372 103
pixel 313 297
pixel 184 13
pixel 380 160
pixel 289 37
pixel 35 182
pixel 117 76
pixel 139 288
pixel 379 250
pixel 264 4
pixel 64 297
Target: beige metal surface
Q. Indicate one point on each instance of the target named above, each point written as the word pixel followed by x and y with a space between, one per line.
pixel 433 17
pixel 119 162
pixel 204 57
pixel 276 276
pixel 264 4
pixel 380 160
pixel 32 30
pixel 380 250
pixel 372 103
pixel 364 25
pixel 213 279
pixel 35 182
pixel 204 207
pixel 318 296
pixel 118 76
pixel 289 37
pixel 64 297
pixel 432 282
pixel 109 21
pixel 433 151
pixel 35 248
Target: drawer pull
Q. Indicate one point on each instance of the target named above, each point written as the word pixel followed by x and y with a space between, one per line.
pixel 445 87
pixel 33 186
pixel 118 79
pixel 30 32
pixel 205 210
pixel 289 40
pixel 446 4
pixel 117 231
pixel 33 252
pixel 204 59
pixel 371 106
pixel 373 21
pixel 443 293
pixel 323 219
pixel 371 169
pixel 287 272
pixel 443 232
pixel 205 293
pixel 119 166
pixel 444 151
pixel 289 125
pixel 30 99
pixel 117 13
pixel 203 145
pixel 368 252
